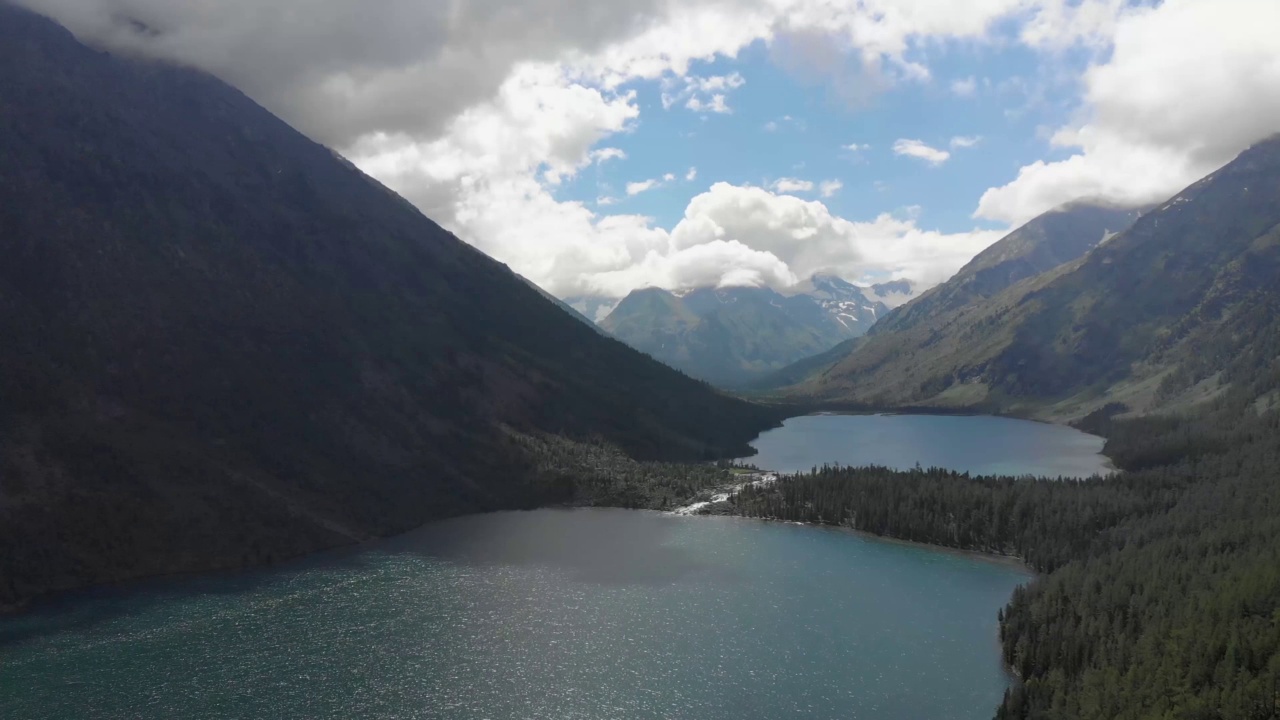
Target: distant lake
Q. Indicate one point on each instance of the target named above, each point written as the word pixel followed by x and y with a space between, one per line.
pixel 555 614
pixel 981 445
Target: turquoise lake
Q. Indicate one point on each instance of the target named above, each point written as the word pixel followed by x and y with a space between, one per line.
pixel 981 445
pixel 555 614
pixel 568 614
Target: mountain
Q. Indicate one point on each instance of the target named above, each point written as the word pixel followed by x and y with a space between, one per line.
pixel 846 302
pixel 1042 244
pixel 1054 238
pixel 225 345
pixel 1173 311
pixel 729 336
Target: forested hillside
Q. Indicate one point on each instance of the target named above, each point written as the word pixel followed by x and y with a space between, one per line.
pixel 223 344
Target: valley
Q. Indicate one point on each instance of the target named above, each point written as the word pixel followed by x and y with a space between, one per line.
pixel 275 443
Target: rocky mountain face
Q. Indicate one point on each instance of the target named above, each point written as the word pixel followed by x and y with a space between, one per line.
pixel 856 309
pixel 224 344
pixel 1176 309
pixel 730 336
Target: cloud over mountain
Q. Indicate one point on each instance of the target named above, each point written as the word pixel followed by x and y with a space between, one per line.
pixel 481 112
pixel 738 235
pixel 1188 85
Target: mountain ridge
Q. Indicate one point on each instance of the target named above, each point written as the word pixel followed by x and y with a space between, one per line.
pixel 730 336
pixel 1042 244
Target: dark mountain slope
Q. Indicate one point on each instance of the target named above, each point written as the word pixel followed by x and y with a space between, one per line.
pixel 1168 313
pixel 223 344
pixel 566 307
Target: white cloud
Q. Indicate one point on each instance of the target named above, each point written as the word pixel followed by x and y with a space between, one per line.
pixel 961 142
pixel 807 238
pixel 691 175
pixel 911 212
pixel 635 188
pixel 1058 24
pixel 829 188
pixel 717 83
pixel 729 235
pixel 701 94
pixel 792 185
pixel 855 147
pixel 714 263
pixel 537 122
pixel 964 87
pixel 881 33
pixel 643 186
pixel 919 150
pixel 716 104
pixel 407 68
pixel 606 154
pixel 341 71
pixel 734 235
pixel 1187 86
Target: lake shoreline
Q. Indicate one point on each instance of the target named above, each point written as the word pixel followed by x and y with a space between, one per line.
pixel 724 508
pixel 1109 464
pixel 54 597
